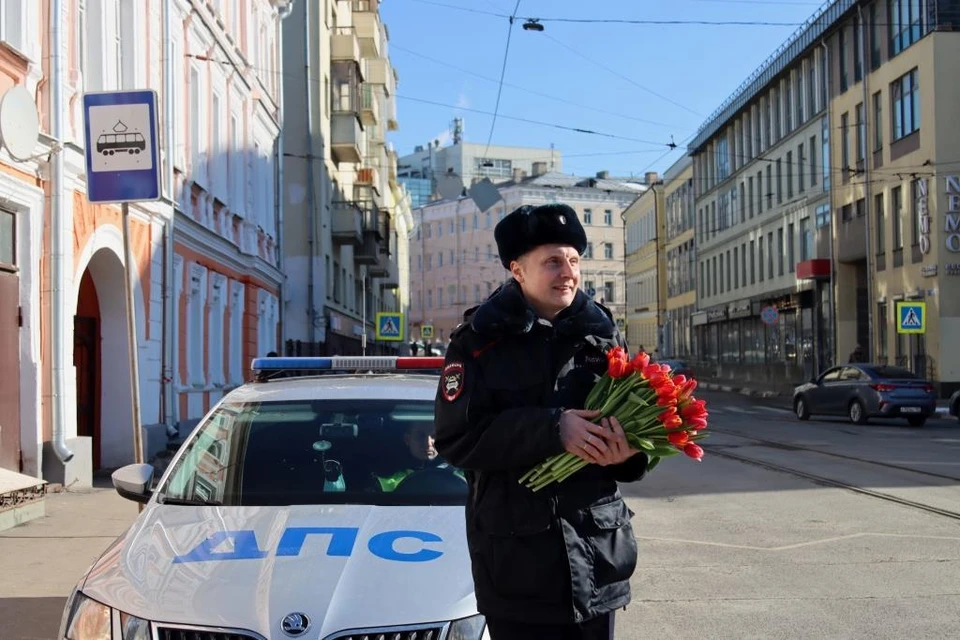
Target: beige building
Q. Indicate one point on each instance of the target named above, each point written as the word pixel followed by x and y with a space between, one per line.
pixel 679 260
pixel 896 192
pixel 347 219
pixel 453 256
pixel 646 278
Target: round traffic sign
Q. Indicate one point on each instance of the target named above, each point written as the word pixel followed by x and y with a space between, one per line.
pixel 769 314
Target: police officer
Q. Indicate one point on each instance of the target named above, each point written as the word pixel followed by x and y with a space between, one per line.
pixel 421 444
pixel 555 563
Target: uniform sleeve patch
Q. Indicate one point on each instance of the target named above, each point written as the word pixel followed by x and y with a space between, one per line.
pixel 451 380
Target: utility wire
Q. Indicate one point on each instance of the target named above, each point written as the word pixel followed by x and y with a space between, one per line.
pixel 503 71
pixel 395 47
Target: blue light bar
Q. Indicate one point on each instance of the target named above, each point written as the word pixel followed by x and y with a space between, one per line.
pixel 285 364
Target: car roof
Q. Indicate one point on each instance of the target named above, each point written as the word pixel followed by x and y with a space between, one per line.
pixel 386 386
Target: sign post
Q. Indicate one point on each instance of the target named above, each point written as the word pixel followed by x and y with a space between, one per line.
pixel 123 166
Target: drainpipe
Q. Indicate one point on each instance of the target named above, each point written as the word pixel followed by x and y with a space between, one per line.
pixel 170 408
pixel 282 12
pixel 311 195
pixel 57 302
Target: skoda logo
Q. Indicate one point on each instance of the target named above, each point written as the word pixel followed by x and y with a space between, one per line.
pixel 295 624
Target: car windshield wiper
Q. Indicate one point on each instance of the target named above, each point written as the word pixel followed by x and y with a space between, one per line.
pixel 195 502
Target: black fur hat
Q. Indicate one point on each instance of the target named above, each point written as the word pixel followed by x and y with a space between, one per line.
pixel 528 227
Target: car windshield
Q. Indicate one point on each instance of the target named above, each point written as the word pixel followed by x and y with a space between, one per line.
pixel 378 452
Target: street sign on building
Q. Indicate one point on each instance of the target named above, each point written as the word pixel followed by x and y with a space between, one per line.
pixel 911 317
pixel 426 331
pixel 389 326
pixel 122 142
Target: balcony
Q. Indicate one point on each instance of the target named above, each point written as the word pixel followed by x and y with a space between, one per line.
pixel 369 33
pixel 392 279
pixel 344 45
pixel 851 240
pixel 369 178
pixel 378 71
pixel 347 223
pixel 346 137
pixel 370 105
pixel 372 245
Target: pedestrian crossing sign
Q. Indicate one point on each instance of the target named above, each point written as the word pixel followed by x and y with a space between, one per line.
pixel 389 326
pixel 911 317
pixel 426 331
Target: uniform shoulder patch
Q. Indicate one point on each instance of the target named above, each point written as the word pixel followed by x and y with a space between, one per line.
pixel 451 380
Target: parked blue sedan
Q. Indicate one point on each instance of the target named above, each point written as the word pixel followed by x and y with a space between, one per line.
pixel 864 391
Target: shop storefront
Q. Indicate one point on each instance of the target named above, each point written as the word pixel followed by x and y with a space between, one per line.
pixel 778 340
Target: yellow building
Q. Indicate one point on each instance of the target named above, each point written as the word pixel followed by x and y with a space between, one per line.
pixel 679 260
pixel 645 224
pixel 895 192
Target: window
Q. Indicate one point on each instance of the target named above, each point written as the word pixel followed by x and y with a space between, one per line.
pixel 861 133
pixel 825 154
pixel 813 160
pixel 874 38
pixel 811 86
pixel 753 262
pixel 195 303
pixel 823 216
pixel 881 216
pixel 750 194
pixel 608 291
pixel 8 238
pixel 760 257
pixel 769 187
pixel 736 267
pixel 791 255
pixel 588 254
pixel 789 174
pixel 897 213
pixel 806 239
pixel 196 117
pixel 845 142
pixel 882 330
pixel 608 217
pixel 608 250
pixel 905 96
pixel 877 122
pixel 743 264
pixel 759 192
pixel 779 181
pixel 857 53
pixel 770 255
pixel 264 453
pixel 917 189
pixel 906 24
pixel 842 55
pixel 729 270
pixel 801 163
pixel 215 324
pixel 587 216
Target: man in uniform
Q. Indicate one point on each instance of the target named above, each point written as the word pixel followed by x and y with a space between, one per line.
pixel 553 564
pixel 420 443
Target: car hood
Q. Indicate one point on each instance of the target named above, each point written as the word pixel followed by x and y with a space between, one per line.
pixel 344 566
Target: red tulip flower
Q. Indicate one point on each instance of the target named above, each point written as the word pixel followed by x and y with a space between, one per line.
pixel 693 450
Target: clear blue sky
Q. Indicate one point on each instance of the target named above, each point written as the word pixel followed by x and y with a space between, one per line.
pixel 641 82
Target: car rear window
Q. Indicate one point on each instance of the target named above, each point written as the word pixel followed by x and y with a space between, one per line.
pixel 378 452
pixel 891 373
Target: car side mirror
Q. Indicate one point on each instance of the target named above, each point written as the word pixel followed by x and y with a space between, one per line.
pixel 133 482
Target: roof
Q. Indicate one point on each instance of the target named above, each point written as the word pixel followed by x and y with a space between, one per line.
pixel 806 36
pixel 387 386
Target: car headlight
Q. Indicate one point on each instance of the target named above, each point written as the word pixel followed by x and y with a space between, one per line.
pixel 87 619
pixel 471 628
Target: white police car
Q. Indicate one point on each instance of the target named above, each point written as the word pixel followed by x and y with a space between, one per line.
pixel 301 506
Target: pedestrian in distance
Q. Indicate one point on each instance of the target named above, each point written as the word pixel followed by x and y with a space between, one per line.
pixel 555 563
pixel 856 355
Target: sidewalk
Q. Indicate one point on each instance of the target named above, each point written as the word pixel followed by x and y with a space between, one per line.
pixel 42 560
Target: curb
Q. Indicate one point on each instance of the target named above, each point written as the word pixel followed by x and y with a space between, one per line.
pixel 746 391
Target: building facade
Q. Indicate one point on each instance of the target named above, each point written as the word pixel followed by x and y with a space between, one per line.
pixel 646 277
pixel 207 274
pixel 895 196
pixel 762 191
pixel 471 162
pixel 825 196
pixel 454 263
pixel 347 217
pixel 680 263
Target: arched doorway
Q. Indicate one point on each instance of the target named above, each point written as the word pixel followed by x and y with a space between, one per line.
pixel 101 358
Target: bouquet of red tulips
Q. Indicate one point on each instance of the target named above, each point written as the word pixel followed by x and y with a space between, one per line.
pixel 656 409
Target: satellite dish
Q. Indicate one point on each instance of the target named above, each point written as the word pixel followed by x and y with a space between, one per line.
pixel 450 186
pixel 19 123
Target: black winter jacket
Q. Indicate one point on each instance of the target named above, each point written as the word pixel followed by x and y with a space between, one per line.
pixel 566 553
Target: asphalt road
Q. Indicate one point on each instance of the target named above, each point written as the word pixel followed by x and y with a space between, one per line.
pixel 861 545
pixel 745 548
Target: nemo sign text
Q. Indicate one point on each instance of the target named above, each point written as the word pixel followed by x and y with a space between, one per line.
pixel 952 222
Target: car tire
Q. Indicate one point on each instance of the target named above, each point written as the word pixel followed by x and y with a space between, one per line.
pixel 916 421
pixel 857 413
pixel 801 408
